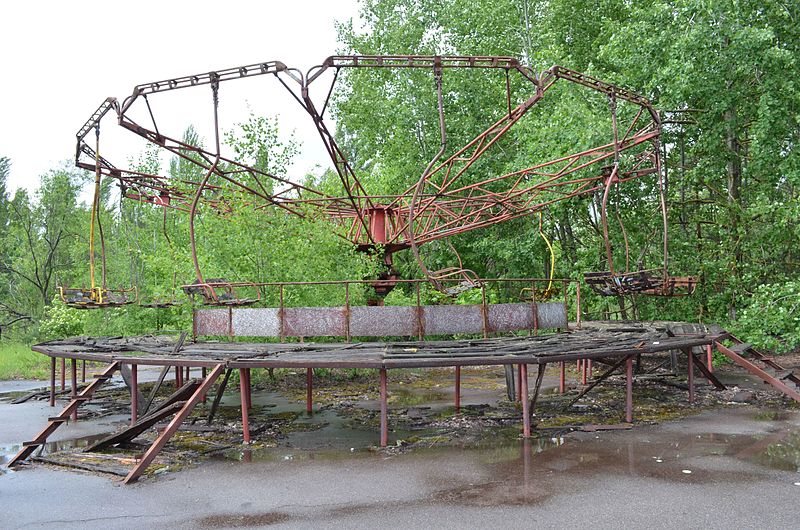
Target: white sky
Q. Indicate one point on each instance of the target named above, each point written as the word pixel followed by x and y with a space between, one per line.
pixel 61 59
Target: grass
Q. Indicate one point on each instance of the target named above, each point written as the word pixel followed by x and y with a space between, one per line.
pixel 17 361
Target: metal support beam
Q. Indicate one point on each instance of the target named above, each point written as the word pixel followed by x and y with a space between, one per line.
pixel 73 391
pixel 52 381
pixel 218 396
pixel 384 410
pixel 55 422
pixel 526 415
pixel 134 393
pixel 243 399
pixel 309 390
pixel 562 377
pixel 161 441
pixel 690 372
pixel 458 389
pixel 629 390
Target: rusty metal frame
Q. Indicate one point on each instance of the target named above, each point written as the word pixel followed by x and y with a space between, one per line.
pixel 439 204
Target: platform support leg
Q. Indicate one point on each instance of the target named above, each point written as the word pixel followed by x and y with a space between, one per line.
pixel 629 390
pixel 204 372
pixel 249 389
pixel 243 396
pixel 178 383
pixel 73 391
pixel 526 413
pixel 709 359
pixel 583 371
pixel 83 371
pixel 690 371
pixel 176 422
pixel 562 377
pixel 63 373
pixel 309 390
pixel 384 410
pixel 52 381
pixel 458 389
pixel 134 393
pixel 519 382
pixel 589 368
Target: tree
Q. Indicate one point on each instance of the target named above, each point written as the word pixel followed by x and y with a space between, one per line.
pixel 38 240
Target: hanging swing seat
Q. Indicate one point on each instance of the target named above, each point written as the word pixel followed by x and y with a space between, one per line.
pixel 96 298
pixel 220 292
pixel 651 282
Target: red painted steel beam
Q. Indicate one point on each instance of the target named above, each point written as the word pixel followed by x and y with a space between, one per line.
pixel 752 368
pixel 55 422
pixel 309 390
pixel 458 389
pixel 52 381
pixel 245 407
pixel 629 390
pixel 134 393
pixel 73 391
pixel 384 409
pixel 176 422
pixel 690 373
pixel 526 412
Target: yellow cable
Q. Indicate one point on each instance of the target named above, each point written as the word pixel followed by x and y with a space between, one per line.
pixel 552 255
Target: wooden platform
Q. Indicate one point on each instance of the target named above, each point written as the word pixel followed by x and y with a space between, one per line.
pixel 600 340
pixel 616 343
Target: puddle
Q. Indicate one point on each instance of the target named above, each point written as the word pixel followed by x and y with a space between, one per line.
pixel 344 425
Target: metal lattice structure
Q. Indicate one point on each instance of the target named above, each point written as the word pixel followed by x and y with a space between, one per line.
pixel 447 199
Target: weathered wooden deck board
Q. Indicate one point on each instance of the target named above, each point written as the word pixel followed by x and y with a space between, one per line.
pixel 594 342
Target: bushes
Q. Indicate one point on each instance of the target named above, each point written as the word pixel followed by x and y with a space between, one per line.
pixel 771 319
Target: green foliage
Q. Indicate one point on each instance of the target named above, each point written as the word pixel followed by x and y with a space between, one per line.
pixel 60 321
pixel 733 166
pixel 17 361
pixel 771 317
pixel 733 171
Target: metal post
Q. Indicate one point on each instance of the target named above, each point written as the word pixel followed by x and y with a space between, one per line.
pixel 458 389
pixel 204 371
pixel 52 381
pixel 309 389
pixel 384 410
pixel 243 397
pixel 83 371
pixel 73 392
pixel 248 389
pixel 562 377
pixel 134 393
pixel 589 368
pixel 629 390
pixel 690 370
pixel 63 373
pixel 583 371
pixel 709 358
pixel 578 302
pixel 178 377
pixel 526 416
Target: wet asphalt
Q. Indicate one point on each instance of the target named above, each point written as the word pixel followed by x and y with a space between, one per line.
pixel 734 467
